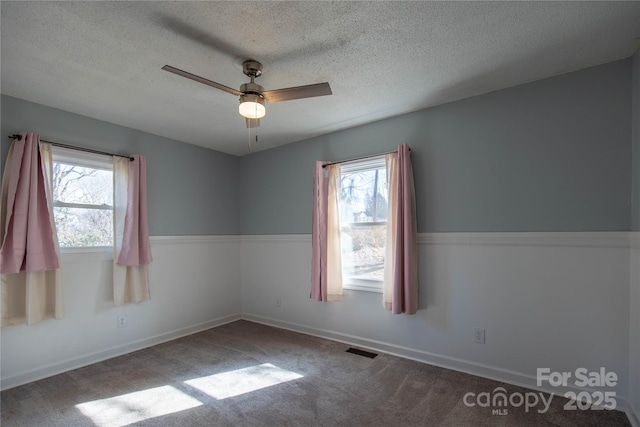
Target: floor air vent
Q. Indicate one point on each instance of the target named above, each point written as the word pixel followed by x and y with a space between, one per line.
pixel 362 353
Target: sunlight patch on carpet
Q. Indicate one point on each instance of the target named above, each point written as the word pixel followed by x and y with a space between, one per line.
pixel 234 383
pixel 134 407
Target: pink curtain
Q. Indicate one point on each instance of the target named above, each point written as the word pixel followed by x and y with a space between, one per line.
pixel 401 265
pixel 326 262
pixel 136 248
pixel 30 283
pixel 319 234
pixel 28 242
pixel 132 253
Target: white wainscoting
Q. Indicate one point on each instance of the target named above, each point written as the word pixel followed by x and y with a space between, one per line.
pixel 546 300
pixel 194 286
pixel 556 300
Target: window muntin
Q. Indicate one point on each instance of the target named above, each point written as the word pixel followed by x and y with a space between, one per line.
pixel 82 198
pixel 363 218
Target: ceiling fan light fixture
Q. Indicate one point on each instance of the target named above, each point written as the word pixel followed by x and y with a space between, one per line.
pixel 252 106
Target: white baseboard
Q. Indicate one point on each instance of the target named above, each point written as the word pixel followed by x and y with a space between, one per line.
pixel 468 367
pixel 633 415
pixel 88 359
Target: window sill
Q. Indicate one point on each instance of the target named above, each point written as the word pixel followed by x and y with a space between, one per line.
pixel 363 285
pixel 99 253
pixel 86 250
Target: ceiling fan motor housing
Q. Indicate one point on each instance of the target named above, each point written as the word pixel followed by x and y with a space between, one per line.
pixel 251 88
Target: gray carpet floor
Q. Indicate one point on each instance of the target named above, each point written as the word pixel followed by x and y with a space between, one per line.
pixel 247 374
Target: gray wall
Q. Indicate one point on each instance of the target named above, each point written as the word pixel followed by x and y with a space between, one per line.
pixel 635 114
pixel 552 155
pixel 191 190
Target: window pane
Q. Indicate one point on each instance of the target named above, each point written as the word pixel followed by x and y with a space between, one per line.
pixel 363 216
pixel 79 227
pixel 82 185
pixel 78 184
pixel 363 196
pixel 363 251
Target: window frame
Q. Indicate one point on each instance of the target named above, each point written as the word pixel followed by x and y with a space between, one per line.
pixel 350 282
pixel 88 160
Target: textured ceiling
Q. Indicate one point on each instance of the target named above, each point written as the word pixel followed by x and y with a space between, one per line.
pixel 104 59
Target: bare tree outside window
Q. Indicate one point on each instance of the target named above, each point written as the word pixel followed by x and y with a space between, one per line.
pixel 363 217
pixel 83 205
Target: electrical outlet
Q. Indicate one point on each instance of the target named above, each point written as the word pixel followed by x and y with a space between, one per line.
pixel 278 302
pixel 122 321
pixel 478 335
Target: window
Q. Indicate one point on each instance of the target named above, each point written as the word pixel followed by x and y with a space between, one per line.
pixel 363 223
pixel 82 198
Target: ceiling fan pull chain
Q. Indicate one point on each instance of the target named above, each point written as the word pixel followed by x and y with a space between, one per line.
pixel 249 129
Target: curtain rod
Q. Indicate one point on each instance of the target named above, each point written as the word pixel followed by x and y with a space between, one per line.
pixel 88 150
pixel 360 158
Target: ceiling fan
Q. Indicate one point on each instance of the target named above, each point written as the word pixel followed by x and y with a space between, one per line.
pixel 253 96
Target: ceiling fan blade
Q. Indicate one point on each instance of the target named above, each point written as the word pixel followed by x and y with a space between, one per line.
pixel 252 123
pixel 298 92
pixel 202 80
